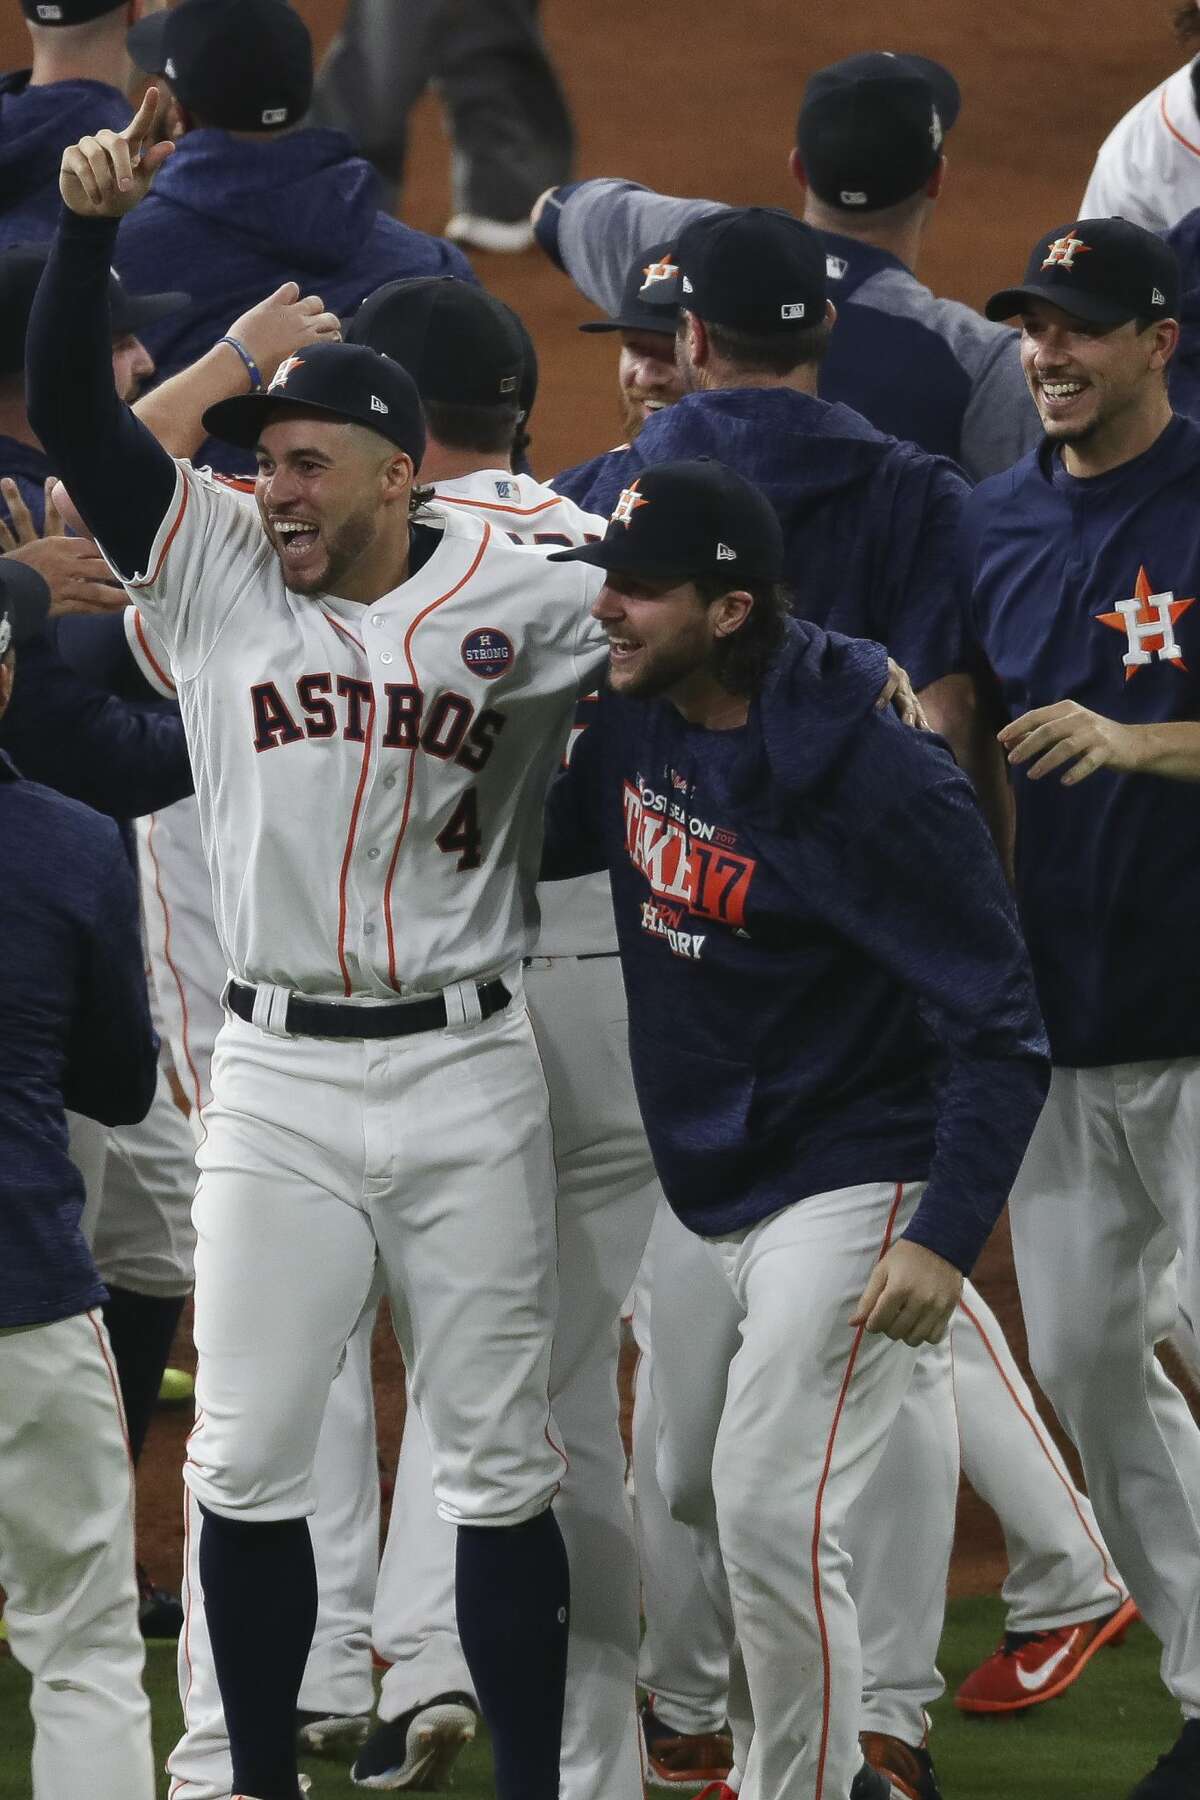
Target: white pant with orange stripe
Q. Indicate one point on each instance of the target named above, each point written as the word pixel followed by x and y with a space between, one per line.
pixel 66 1561
pixel 805 1414
pixel 1060 1571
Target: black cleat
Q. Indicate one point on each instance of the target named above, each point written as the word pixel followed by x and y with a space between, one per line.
pixel 417 1751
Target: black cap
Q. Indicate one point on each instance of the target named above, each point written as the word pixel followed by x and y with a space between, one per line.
pixel 639 310
pixel 24 603
pixel 20 272
pixel 242 65
pixel 870 128
pixel 1103 270
pixel 346 381
pixel 67 12
pixel 753 268
pixel 684 519
pixel 458 343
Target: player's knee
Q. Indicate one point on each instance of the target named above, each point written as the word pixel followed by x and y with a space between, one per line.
pixel 686 1484
pixel 247 1484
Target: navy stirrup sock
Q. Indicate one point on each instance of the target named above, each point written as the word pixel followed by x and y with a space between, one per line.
pixel 513 1595
pixel 141 1328
pixel 260 1600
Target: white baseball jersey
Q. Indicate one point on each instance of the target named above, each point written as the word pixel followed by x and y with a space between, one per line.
pixel 370 779
pixel 576 916
pixel 1148 167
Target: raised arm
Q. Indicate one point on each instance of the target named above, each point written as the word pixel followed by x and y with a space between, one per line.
pixel 119 477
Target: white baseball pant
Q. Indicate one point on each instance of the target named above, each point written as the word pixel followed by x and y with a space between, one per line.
pixel 1105 1200
pixel 66 1561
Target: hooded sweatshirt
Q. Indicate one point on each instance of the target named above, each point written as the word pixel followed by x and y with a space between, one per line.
pixel 230 219
pixel 36 125
pixel 826 981
pixel 870 524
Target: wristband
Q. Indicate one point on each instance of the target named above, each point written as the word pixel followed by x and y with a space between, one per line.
pixel 252 369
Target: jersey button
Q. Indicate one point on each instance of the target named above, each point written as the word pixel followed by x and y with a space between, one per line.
pixel 385 656
pixel 377 618
pixel 372 854
pixel 389 781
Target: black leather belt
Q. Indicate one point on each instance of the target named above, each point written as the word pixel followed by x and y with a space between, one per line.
pixel 330 1019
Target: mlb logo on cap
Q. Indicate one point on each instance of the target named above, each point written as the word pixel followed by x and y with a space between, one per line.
pixel 795 311
pixel 275 115
pixel 49 12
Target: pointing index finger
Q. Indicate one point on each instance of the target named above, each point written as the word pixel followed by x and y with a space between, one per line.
pixel 137 132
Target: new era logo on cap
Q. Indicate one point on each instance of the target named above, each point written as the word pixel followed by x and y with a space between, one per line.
pixel 377 404
pixel 1158 298
pixel 725 554
pixel 5 635
pixel 169 68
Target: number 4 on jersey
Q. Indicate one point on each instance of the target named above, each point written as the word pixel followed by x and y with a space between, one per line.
pixel 461 833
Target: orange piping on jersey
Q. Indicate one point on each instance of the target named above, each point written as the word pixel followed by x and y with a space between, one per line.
pixel 148 580
pixel 1174 131
pixel 106 1353
pixel 525 512
pixel 148 653
pixel 484 541
pixel 1034 1425
pixel 345 631
pixel 820 1501
pixel 350 835
pixel 170 962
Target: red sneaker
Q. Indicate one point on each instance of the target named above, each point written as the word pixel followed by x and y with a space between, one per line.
pixel 1032 1666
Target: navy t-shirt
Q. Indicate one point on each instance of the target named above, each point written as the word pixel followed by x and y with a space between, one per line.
pixel 1089 590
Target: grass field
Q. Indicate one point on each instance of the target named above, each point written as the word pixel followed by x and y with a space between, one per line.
pixel 1093 1744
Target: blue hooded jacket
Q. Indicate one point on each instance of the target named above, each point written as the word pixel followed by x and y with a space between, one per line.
pixel 870 524
pixel 36 125
pixel 827 985
pixel 230 219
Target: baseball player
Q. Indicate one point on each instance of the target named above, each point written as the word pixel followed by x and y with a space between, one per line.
pixel 74 1027
pixel 1148 167
pixel 1083 560
pixel 868 159
pixel 374 922
pixel 747 878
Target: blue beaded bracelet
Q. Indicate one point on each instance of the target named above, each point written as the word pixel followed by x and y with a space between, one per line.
pixel 252 369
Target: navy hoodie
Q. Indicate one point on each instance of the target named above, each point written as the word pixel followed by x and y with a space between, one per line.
pixel 1090 591
pixel 826 981
pixel 230 219
pixel 1183 370
pixel 74 1031
pixel 870 524
pixel 36 125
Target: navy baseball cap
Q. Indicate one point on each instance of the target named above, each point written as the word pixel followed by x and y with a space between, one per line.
pixel 344 381
pixel 1103 270
pixel 871 127
pixel 24 603
pixel 684 519
pixel 753 268
pixel 242 65
pixel 20 272
pixel 458 343
pixel 639 310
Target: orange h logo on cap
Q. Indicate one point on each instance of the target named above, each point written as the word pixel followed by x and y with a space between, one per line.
pixel 1063 251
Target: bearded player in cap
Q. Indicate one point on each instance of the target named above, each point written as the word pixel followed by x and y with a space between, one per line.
pixel 1084 562
pixel 374 705
pixel 780 851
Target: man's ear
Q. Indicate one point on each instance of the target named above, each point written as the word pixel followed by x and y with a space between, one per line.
pixel 733 609
pixel 797 171
pixel 399 476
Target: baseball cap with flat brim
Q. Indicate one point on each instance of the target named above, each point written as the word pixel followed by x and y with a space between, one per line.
pixel 24 603
pixel 20 272
pixel 638 310
pixel 346 382
pixel 680 520
pixel 1105 271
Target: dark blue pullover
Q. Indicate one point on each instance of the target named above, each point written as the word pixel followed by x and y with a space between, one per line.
pixel 826 981
pixel 36 125
pixel 870 524
pixel 229 220
pixel 74 1031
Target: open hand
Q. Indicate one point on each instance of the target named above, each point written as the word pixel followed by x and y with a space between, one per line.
pixel 77 575
pixel 22 529
pixel 282 324
pixel 105 176
pixel 898 693
pixel 1069 734
pixel 911 1295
